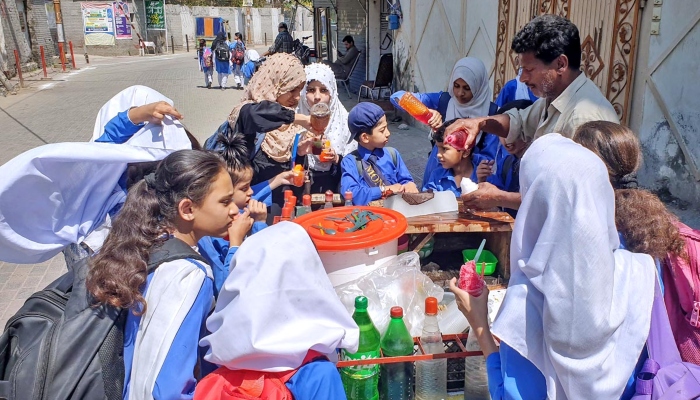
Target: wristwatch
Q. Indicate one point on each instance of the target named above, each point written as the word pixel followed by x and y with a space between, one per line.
pixel 382 188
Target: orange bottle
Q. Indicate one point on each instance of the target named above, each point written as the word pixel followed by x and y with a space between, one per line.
pixel 292 201
pixel 413 106
pixel 298 177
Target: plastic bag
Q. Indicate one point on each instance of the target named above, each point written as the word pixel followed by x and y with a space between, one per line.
pixel 399 282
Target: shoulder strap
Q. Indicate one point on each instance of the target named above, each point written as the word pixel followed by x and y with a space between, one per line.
pixel 171 250
pixel 393 153
pixel 493 108
pixel 507 165
pixel 443 101
pixel 358 162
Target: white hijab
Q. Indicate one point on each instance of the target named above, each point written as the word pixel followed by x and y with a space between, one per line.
pixel 276 305
pixel 472 71
pixel 337 131
pixel 577 307
pixel 168 135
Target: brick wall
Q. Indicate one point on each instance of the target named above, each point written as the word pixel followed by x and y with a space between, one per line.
pixel 39 29
pixel 13 35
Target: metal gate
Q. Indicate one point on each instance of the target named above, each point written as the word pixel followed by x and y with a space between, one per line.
pixel 608 31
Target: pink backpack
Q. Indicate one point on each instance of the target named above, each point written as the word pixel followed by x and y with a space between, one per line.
pixel 682 295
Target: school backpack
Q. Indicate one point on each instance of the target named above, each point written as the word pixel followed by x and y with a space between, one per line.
pixel 207 57
pixel 230 384
pixel 664 376
pixel 222 52
pixel 238 55
pixel 358 160
pixel 682 295
pixel 60 346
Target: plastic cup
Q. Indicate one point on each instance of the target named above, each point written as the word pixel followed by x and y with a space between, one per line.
pixel 320 116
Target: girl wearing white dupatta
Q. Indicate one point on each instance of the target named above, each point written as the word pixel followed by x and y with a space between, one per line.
pixel 189 196
pixel 577 311
pixel 276 306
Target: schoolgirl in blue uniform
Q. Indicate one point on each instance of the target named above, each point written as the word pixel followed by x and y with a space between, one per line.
pixel 189 196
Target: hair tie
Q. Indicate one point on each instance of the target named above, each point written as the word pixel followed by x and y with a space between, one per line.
pixel 150 180
pixel 628 181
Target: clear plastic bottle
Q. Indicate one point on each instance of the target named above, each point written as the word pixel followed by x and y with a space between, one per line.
pixel 348 198
pixel 329 200
pixel 431 375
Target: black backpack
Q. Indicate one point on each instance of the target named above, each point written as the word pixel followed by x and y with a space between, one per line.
pixel 222 52
pixel 59 346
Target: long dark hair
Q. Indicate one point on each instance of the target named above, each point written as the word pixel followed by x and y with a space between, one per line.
pixel 642 219
pixel 119 271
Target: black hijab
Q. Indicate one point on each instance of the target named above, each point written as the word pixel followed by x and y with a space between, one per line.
pixel 220 37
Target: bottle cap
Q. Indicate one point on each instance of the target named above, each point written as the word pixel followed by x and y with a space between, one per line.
pixel 329 196
pixel 431 306
pixel 287 193
pixel 360 303
pixel 293 200
pixel 348 195
pixel 396 312
pixel 287 211
pixel 306 200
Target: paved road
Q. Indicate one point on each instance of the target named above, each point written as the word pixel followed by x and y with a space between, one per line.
pixel 64 110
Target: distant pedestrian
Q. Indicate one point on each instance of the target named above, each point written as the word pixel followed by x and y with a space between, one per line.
pixel 206 62
pixel 222 54
pixel 238 59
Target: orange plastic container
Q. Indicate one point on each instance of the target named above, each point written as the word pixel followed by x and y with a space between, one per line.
pixel 350 255
pixel 413 106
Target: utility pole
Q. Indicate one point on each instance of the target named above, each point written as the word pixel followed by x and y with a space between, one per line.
pixel 248 4
pixel 59 26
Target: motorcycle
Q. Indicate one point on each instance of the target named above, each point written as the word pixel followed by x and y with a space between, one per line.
pixel 304 53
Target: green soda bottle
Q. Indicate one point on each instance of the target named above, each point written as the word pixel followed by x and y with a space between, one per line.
pixel 361 381
pixel 396 379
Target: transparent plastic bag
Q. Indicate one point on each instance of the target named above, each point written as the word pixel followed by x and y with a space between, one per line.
pixel 399 282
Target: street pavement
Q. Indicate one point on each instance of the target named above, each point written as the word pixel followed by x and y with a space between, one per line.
pixel 64 109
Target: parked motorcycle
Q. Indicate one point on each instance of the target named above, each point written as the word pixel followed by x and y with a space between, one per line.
pixel 304 53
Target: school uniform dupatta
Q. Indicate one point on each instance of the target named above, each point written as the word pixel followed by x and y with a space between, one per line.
pixel 276 305
pixel 337 130
pixel 472 71
pixel 577 307
pixel 280 74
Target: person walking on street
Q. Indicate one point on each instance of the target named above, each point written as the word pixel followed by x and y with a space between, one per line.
pixel 237 59
pixel 206 62
pixel 222 55
pixel 284 43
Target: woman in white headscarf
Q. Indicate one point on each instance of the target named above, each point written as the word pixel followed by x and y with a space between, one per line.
pixel 322 88
pixel 276 306
pixel 468 96
pixel 577 311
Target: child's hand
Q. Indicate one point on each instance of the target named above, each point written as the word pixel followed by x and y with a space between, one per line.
pixel 476 309
pixel 239 228
pixel 396 188
pixel 284 178
pixel 153 112
pixel 305 146
pixel 436 120
pixel 484 169
pixel 410 187
pixel 258 210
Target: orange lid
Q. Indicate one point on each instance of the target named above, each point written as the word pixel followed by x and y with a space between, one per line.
pixel 306 200
pixel 287 193
pixel 377 232
pixel 287 211
pixel 431 306
pixel 293 200
pixel 329 196
pixel 396 312
pixel 348 195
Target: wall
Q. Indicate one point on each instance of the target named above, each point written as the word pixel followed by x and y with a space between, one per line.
pixel 73 29
pixel 13 36
pixel 435 34
pixel 39 29
pixel 665 109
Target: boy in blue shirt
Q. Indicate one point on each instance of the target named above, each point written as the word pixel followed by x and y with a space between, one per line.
pixel 372 170
pixel 456 162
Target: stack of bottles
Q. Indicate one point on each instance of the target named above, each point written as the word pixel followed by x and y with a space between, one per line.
pixel 394 381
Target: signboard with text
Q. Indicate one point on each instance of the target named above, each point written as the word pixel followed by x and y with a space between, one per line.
pixel 122 23
pixel 98 23
pixel 155 14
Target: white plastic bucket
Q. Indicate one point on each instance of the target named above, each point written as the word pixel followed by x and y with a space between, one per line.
pixel 346 266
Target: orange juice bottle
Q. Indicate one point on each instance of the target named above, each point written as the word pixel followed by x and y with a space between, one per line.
pixel 413 106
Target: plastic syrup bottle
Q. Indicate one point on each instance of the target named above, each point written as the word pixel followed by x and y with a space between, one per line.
pixel 305 205
pixel 396 379
pixel 329 200
pixel 431 375
pixel 348 198
pixel 360 382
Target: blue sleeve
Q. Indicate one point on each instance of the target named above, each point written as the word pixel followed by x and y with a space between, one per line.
pixel 494 376
pixel 317 380
pixel 431 100
pixel 263 193
pixel 431 183
pixel 217 253
pixel 512 376
pixel 119 129
pixel 176 378
pixel 403 175
pixel 431 165
pixel 350 180
pixel 257 227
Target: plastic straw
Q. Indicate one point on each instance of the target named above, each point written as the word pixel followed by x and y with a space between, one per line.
pixel 294 149
pixel 478 252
